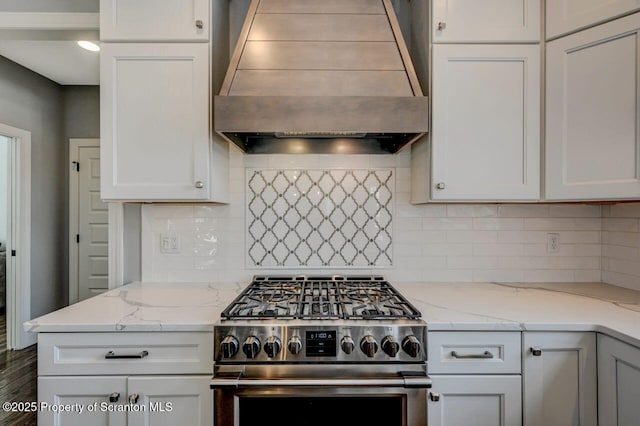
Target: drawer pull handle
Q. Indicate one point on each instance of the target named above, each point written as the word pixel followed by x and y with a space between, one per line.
pixel 114 397
pixel 485 355
pixel 536 351
pixel 434 396
pixel 199 24
pixel 133 398
pixel 112 355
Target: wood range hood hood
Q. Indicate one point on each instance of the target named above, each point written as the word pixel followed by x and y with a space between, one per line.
pixel 330 76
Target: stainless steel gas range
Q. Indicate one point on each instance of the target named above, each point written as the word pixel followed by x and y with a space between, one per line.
pixel 320 351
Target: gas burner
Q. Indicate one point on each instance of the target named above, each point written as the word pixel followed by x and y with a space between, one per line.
pixel 326 297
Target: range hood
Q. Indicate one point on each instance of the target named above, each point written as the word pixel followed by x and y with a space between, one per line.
pixel 329 76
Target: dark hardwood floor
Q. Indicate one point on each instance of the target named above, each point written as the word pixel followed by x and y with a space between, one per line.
pixel 18 381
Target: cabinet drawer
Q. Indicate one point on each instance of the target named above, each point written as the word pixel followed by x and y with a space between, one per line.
pixel 124 353
pixel 474 353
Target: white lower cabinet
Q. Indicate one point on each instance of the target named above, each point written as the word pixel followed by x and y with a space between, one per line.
pixel 132 401
pixel 476 378
pixel 618 383
pixel 560 379
pixel 86 392
pixel 477 400
pixel 135 379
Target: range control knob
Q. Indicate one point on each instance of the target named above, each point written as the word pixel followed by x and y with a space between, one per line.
pixel 347 344
pixel 369 346
pixel 411 345
pixel 295 345
pixel 251 347
pixel 229 346
pixel 272 346
pixel 390 346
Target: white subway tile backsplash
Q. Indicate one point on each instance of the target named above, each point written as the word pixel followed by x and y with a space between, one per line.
pixel 617 224
pixel 472 262
pixel 446 223
pixel 465 210
pixel 472 236
pixel 621 245
pixel 498 223
pixel 575 210
pixel 434 242
pixel 553 224
pixel 625 210
pixel 523 210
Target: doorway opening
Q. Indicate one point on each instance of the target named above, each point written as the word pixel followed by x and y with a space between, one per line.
pixel 15 237
pixel 88 223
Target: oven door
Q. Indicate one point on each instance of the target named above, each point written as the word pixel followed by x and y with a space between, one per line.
pixel 321 395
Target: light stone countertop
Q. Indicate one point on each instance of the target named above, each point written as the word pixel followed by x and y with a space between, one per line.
pixel 444 306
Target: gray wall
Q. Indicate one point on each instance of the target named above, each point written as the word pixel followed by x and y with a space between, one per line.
pixel 50 6
pixel 33 103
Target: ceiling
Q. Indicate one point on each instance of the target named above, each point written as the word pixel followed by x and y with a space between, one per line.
pixel 62 61
pixel 43 37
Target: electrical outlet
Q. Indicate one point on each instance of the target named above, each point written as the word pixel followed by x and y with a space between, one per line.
pixel 169 243
pixel 553 243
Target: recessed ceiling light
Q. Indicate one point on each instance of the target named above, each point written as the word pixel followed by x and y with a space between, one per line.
pixel 89 45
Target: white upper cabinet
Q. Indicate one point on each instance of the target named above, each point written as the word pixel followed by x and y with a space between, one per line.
pixel 486 123
pixel 154 20
pixel 155 121
pixel 565 16
pixel 486 21
pixel 592 146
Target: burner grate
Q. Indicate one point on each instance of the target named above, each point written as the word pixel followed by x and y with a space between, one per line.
pixel 324 297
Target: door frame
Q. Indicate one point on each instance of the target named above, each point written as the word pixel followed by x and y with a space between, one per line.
pixel 18 294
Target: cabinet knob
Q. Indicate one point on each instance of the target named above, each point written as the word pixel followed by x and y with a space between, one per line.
pixel 434 396
pixel 440 185
pixel 114 397
pixel 199 24
pixel 536 351
pixel 442 26
pixel 133 398
pixel 199 184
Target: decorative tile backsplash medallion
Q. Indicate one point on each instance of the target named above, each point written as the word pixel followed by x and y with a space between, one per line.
pixel 319 218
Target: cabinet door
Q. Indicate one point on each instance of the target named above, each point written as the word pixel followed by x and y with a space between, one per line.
pixel 84 391
pixel 172 400
pixel 592 149
pixel 486 123
pixel 154 20
pixel 487 21
pixel 618 382
pixel 565 16
pixel 154 121
pixel 560 381
pixel 475 400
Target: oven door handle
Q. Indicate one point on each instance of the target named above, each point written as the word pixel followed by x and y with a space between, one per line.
pixel 403 380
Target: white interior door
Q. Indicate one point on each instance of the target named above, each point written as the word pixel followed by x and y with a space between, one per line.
pixel 89 219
